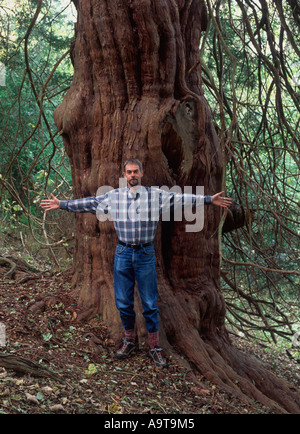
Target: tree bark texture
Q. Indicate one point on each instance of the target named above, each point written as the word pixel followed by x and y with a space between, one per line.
pixel 137 93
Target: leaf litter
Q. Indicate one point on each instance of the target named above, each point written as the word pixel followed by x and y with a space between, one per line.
pixel 40 319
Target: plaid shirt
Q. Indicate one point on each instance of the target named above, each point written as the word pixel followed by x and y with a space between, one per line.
pixel 135 215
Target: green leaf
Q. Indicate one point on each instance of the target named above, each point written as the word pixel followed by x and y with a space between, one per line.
pixel 47 337
pixel 92 369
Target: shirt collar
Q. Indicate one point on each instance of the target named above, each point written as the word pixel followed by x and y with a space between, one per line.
pixel 134 195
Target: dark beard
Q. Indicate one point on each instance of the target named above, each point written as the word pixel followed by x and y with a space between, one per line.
pixel 133 182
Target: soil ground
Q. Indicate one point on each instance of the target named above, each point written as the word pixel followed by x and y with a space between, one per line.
pixel 40 319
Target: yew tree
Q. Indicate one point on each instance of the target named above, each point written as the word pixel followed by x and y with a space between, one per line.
pixel 137 92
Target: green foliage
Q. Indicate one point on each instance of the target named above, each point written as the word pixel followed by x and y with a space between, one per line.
pixel 251 75
pixel 32 157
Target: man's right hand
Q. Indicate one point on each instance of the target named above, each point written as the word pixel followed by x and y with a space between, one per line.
pixel 50 204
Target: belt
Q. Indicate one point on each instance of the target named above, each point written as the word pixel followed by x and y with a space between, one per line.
pixel 135 246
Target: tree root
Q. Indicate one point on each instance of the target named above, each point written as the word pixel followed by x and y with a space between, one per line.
pixel 17 265
pixel 41 305
pixel 12 265
pixel 25 366
pixel 241 375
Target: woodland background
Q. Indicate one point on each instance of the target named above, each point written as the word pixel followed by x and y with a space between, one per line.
pixel 251 75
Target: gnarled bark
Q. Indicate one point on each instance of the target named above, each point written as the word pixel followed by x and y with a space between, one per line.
pixel 137 93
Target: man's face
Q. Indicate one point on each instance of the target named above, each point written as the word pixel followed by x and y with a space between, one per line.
pixel 133 175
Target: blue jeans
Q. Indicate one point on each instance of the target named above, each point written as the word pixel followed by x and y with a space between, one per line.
pixel 130 265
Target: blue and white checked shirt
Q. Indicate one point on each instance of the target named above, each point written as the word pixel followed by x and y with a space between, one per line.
pixel 135 215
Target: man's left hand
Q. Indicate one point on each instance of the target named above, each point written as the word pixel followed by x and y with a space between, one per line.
pixel 221 201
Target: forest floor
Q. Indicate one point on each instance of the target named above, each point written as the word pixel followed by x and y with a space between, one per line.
pixel 40 319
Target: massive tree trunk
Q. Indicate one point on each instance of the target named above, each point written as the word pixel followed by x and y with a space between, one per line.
pixel 137 93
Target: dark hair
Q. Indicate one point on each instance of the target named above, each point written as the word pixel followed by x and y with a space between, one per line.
pixel 133 161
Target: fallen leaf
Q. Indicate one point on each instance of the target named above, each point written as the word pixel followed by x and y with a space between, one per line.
pixel 32 398
pixel 47 390
pixel 56 407
pixel 204 392
pixel 114 408
pixel 92 369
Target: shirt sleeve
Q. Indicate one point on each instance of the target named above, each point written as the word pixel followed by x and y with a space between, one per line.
pixel 173 199
pixel 207 200
pixel 196 199
pixel 87 204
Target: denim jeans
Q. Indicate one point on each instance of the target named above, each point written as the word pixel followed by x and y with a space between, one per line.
pixel 130 265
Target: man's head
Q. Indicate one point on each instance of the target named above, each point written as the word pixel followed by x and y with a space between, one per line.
pixel 133 172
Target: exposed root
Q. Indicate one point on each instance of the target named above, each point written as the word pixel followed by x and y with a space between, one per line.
pixel 12 265
pixel 237 373
pixel 25 366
